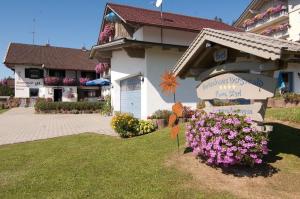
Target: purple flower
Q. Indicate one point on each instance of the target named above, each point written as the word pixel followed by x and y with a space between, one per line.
pixel 248 138
pixel 247 130
pixel 248 120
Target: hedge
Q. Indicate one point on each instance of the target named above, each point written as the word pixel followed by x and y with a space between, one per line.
pixel 46 106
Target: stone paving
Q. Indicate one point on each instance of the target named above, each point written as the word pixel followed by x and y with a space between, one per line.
pixel 22 125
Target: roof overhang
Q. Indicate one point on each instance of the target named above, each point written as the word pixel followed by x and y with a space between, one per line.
pixel 263 47
pixel 129 44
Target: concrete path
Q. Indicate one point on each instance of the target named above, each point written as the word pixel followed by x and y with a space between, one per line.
pixel 22 124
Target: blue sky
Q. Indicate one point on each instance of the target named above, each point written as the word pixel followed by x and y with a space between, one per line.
pixel 74 23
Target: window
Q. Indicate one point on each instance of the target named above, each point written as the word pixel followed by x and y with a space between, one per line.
pixel 91 94
pixel 34 73
pixel 33 92
pixel 90 75
pixel 57 73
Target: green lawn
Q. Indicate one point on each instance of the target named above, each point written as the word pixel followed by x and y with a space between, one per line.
pixel 3 110
pixel 94 166
pixel 284 114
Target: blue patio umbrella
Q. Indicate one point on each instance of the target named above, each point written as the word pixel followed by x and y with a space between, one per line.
pixel 111 17
pixel 98 82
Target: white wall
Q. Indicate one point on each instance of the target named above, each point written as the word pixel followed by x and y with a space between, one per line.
pixel 170 36
pixel 22 84
pixel 159 61
pixel 123 66
pixel 48 92
pixel 294 20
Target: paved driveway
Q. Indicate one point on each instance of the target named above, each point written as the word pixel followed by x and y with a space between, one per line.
pixel 22 124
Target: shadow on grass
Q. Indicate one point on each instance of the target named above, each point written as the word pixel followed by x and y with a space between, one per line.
pixel 284 139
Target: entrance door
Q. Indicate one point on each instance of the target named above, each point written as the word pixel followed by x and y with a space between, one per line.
pixel 131 96
pixel 57 95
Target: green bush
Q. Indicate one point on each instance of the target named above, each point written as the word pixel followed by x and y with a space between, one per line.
pixel 45 105
pixel 6 91
pixel 125 125
pixel 161 114
pixel 291 98
pixel 107 108
pixel 146 127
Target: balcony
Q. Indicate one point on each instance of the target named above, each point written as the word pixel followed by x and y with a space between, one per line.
pixel 280 31
pixel 270 16
pixel 267 21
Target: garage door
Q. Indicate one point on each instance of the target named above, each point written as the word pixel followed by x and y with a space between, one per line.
pixel 131 96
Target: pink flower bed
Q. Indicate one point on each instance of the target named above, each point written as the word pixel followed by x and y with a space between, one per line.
pixel 107 32
pixel 278 28
pixel 52 81
pixel 83 81
pixel 263 15
pixel 69 81
pixel 226 140
pixel 101 68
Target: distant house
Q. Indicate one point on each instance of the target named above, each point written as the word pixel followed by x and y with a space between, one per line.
pixel 141 45
pixel 277 19
pixel 51 72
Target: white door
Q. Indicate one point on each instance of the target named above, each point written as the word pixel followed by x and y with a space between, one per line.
pixel 131 96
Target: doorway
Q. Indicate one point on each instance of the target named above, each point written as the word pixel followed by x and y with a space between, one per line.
pixel 57 94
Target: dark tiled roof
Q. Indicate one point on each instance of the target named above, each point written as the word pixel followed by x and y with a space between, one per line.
pixel 151 17
pixel 49 56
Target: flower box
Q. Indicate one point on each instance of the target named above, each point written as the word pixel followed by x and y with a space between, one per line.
pixel 83 81
pixel 69 81
pixel 52 81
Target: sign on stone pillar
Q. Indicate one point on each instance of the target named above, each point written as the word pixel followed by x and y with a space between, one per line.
pixel 256 88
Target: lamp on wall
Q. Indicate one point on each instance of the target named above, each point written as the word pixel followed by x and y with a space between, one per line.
pixel 299 75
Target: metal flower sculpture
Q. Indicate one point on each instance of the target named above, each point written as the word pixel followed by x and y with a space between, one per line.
pixel 169 83
pixel 169 86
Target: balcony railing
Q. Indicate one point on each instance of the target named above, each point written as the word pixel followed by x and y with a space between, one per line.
pixel 58 81
pixel 267 20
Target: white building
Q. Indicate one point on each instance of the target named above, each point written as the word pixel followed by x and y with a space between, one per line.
pixel 142 46
pixel 51 72
pixel 279 19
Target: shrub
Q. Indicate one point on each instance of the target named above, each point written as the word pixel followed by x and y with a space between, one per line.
pixel 161 114
pixel 226 139
pixel 107 108
pixel 125 125
pixel 188 112
pixel 6 91
pixel 291 98
pixel 45 105
pixel 146 127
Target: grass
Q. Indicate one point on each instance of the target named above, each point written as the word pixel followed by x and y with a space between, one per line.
pixel 284 114
pixel 3 110
pixel 94 166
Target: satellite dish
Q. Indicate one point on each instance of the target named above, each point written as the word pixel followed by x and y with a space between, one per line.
pixel 158 3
